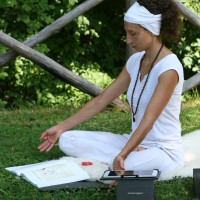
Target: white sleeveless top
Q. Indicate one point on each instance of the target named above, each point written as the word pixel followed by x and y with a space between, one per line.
pixel 166 131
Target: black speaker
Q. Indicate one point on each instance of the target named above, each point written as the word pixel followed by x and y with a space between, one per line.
pixel 135 190
pixel 196 177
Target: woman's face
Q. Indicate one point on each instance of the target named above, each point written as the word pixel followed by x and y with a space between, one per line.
pixel 138 37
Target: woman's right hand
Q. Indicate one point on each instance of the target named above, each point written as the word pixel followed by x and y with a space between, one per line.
pixel 138 148
pixel 50 137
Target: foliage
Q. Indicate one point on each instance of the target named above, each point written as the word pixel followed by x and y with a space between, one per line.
pixel 188 49
pixel 91 46
pixel 19 138
pixel 2 105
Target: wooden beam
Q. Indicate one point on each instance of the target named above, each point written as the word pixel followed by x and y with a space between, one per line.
pixel 188 14
pixel 54 68
pixel 191 83
pixel 52 29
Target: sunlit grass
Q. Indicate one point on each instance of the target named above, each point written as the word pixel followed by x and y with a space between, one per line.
pixel 19 137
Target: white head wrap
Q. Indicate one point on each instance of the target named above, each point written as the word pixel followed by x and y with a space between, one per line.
pixel 137 14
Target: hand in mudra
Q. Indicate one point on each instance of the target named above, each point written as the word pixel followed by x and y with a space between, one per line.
pixel 50 137
pixel 138 148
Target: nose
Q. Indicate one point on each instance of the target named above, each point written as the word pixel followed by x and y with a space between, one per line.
pixel 128 39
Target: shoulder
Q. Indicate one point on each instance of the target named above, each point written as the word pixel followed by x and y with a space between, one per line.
pixel 170 62
pixel 133 60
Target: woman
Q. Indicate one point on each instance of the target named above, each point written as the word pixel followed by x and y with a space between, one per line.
pixel 153 79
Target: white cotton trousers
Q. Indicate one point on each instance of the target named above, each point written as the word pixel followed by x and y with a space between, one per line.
pixel 105 146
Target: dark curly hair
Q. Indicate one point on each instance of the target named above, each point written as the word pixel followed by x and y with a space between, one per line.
pixel 171 21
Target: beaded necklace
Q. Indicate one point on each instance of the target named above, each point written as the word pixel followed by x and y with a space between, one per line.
pixel 134 113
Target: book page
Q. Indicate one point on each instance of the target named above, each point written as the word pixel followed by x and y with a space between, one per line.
pixel 55 174
pixel 18 170
pixel 51 173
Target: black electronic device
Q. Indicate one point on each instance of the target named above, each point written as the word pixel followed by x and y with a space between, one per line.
pixel 124 174
pixel 137 185
pixel 140 189
pixel 196 177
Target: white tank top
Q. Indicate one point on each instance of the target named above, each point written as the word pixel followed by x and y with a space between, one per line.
pixel 166 131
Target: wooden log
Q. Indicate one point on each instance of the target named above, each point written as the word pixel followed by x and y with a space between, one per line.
pixel 62 21
pixel 191 83
pixel 54 68
pixel 188 14
pixel 52 29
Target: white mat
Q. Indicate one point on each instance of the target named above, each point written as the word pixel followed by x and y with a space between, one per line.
pixel 95 171
pixel 191 144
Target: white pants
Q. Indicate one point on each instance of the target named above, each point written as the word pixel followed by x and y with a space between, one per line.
pixel 105 146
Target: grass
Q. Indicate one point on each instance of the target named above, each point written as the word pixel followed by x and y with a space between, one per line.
pixel 19 137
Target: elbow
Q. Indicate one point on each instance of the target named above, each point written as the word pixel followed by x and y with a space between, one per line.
pixel 99 102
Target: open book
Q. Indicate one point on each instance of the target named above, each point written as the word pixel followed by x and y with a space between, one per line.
pixel 50 173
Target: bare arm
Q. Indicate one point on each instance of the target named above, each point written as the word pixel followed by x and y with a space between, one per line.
pixel 163 92
pixel 98 103
pixel 90 109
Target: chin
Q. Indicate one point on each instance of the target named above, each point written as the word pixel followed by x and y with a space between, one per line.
pixel 138 50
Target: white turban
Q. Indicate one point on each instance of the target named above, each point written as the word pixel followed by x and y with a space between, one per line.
pixel 137 14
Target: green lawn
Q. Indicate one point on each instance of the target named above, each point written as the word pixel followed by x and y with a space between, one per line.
pixel 19 137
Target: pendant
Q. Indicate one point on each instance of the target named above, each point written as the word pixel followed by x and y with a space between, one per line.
pixel 133 119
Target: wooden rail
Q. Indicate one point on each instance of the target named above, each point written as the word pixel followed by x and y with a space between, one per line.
pixel 52 29
pixel 188 14
pixel 54 68
pixel 58 70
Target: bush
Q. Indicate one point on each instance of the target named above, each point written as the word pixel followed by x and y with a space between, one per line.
pixel 90 46
pixel 188 49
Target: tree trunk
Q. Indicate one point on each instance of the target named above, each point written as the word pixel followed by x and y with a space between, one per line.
pixel 54 68
pixel 52 29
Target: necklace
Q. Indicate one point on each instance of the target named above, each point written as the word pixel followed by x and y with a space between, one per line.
pixel 134 113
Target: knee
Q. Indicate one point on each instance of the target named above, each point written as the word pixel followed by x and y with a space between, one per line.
pixel 62 140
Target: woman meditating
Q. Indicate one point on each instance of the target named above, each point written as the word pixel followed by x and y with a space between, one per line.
pixel 153 79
